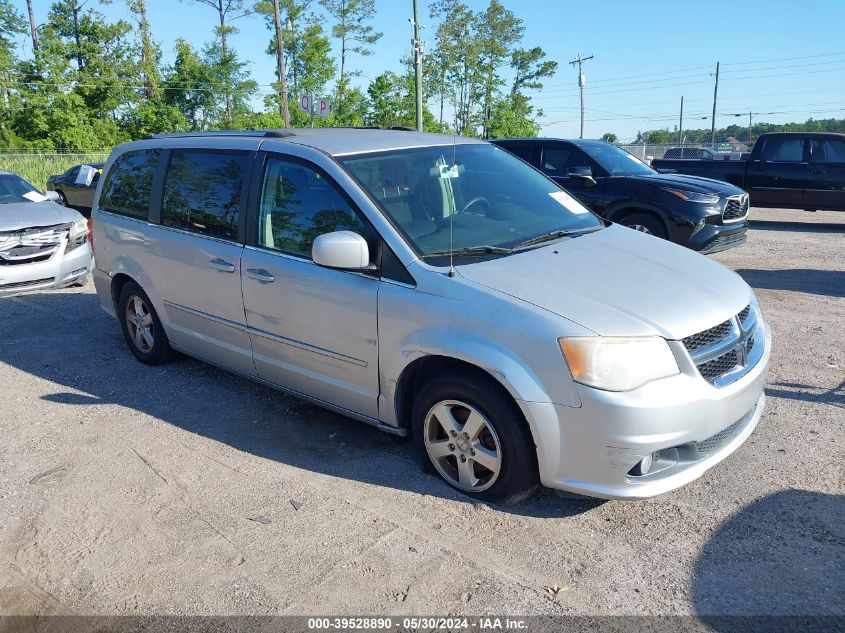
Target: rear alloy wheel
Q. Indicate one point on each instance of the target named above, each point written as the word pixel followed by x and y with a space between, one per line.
pixel 141 326
pixel 469 430
pixel 644 223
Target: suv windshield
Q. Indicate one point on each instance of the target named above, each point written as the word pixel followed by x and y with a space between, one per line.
pixel 487 200
pixel 616 160
pixel 15 189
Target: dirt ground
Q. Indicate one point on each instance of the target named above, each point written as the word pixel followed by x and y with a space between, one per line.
pixel 181 489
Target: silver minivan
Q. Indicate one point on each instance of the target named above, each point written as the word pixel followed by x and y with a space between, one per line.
pixel 436 287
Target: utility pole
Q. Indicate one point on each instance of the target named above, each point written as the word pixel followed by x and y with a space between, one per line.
pixel 681 126
pixel 280 63
pixel 582 81
pixel 713 121
pixel 750 114
pixel 418 78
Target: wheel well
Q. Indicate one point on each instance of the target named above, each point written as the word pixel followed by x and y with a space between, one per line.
pixel 620 215
pixel 421 370
pixel 117 283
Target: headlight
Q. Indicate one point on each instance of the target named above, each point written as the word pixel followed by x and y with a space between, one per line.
pixel 693 196
pixel 80 227
pixel 618 363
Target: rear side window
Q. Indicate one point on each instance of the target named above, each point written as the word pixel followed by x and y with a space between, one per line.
pixel 528 153
pixel 126 189
pixel 202 192
pixel 828 150
pixel 785 149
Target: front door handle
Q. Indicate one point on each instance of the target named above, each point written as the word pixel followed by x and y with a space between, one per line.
pixel 222 265
pixel 259 274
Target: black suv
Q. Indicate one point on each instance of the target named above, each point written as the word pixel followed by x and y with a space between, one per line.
pixel 703 214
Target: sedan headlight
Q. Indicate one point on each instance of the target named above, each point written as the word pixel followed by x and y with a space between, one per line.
pixel 618 363
pixel 80 227
pixel 693 196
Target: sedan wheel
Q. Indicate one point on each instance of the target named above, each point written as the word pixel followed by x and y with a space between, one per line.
pixel 139 323
pixel 462 445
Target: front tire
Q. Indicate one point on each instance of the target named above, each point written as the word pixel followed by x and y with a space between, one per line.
pixel 141 326
pixel 645 223
pixel 469 431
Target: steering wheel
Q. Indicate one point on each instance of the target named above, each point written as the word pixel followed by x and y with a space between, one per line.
pixel 475 201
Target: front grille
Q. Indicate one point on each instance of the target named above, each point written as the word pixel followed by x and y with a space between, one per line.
pixel 707 337
pixel 720 350
pixel 735 209
pixel 719 366
pixel 725 241
pixel 27 284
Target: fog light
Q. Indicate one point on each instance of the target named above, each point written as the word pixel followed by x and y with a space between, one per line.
pixel 699 225
pixel 645 465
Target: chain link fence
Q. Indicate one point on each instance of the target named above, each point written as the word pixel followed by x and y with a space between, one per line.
pixel 721 151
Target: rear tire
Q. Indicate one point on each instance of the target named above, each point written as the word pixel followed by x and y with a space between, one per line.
pixel 62 198
pixel 141 326
pixel 645 223
pixel 472 434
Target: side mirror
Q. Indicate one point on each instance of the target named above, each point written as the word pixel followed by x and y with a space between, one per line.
pixel 345 250
pixel 52 196
pixel 584 173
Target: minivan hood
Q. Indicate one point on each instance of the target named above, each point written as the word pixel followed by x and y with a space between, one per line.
pixel 619 282
pixel 22 215
pixel 688 183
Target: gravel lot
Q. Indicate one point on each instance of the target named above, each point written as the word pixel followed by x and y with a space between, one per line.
pixel 182 489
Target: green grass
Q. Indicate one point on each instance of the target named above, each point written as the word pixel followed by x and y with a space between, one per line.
pixel 35 168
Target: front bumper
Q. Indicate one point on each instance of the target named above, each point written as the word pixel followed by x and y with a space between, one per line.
pixel 62 269
pixel 719 237
pixel 593 449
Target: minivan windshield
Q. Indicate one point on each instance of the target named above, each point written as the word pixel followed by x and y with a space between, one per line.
pixel 616 160
pixel 15 189
pixel 468 199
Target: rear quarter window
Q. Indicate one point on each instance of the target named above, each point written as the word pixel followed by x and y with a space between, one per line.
pixel 202 192
pixel 126 189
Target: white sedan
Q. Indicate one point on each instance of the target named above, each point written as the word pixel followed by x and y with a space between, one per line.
pixel 42 244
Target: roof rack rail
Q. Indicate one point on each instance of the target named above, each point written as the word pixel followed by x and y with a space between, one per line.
pixel 279 133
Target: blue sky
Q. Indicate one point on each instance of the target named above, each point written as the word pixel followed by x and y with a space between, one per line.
pixel 785 57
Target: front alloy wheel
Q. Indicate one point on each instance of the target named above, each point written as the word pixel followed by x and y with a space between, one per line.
pixel 462 445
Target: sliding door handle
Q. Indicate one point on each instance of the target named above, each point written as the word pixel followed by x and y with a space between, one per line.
pixel 222 265
pixel 259 274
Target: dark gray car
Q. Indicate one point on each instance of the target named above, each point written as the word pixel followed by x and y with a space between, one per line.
pixel 73 193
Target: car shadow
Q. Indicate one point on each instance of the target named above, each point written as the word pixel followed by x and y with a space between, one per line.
pixel 65 338
pixel 830 283
pixel 781 557
pixel 797 227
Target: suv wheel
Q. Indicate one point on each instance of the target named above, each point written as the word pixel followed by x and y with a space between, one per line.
pixel 645 224
pixel 62 199
pixel 475 438
pixel 141 326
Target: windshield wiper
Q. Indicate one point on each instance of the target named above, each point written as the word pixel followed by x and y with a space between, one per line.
pixel 471 250
pixel 553 235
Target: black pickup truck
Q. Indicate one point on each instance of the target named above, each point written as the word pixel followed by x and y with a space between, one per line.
pixel 793 170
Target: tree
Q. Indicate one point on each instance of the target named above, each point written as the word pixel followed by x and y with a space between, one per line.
pixel 355 35
pixel 610 137
pixel 497 30
pixel 271 9
pixel 11 24
pixel 227 11
pixel 149 55
pixel 513 116
pixel 529 68
pixel 32 27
